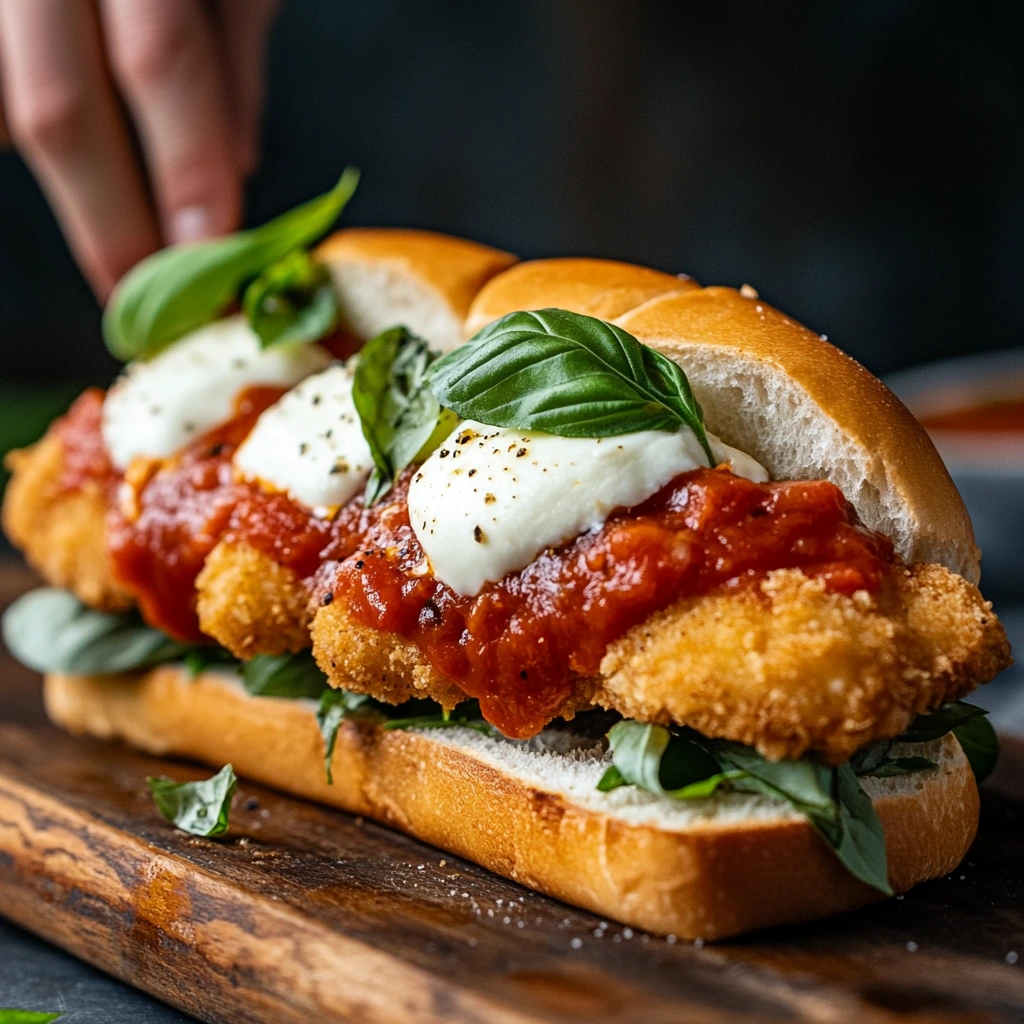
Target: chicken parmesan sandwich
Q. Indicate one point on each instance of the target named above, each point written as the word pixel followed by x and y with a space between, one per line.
pixel 636 592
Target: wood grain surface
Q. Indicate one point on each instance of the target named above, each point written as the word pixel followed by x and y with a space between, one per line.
pixel 305 913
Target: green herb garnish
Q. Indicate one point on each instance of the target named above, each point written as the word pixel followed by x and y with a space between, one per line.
pixel 686 766
pixel 402 421
pixel 50 630
pixel 12 1016
pixel 183 287
pixel 566 374
pixel 284 675
pixel 335 706
pixel 292 301
pixel 200 808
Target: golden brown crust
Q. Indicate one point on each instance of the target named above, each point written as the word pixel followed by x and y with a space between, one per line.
pixel 391 668
pixel 895 448
pixel 711 879
pixel 787 668
pixel 250 604
pixel 791 667
pixel 62 533
pixel 603 288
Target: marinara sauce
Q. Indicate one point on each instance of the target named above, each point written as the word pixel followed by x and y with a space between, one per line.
pixel 520 643
pixel 85 460
pixel 161 530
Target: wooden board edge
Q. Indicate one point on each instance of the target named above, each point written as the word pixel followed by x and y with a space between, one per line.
pixel 196 940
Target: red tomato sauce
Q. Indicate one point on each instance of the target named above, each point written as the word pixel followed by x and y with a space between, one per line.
pixel 181 511
pixel 519 644
pixel 85 455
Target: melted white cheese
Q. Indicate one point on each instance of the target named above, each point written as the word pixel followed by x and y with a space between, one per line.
pixel 310 443
pixel 491 499
pixel 160 405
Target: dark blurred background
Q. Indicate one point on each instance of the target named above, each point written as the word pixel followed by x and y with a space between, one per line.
pixel 861 164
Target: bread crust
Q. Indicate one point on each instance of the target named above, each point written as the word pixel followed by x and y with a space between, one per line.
pixel 708 880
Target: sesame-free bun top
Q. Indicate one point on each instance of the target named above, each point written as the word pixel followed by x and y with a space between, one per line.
pixel 772 388
pixel 424 280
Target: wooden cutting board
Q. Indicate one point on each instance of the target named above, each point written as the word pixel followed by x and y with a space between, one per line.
pixel 308 914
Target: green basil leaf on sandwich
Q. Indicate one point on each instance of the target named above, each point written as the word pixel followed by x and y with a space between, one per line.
pixel 831 799
pixel 200 808
pixel 402 421
pixel 926 728
pixel 980 743
pixel 426 714
pixel 567 374
pixel 50 630
pixel 183 287
pixel 284 675
pixel 335 706
pixel 292 301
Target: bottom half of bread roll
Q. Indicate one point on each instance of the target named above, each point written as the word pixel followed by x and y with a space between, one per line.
pixel 531 810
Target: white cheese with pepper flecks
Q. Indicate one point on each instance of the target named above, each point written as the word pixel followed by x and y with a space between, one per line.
pixel 161 404
pixel 491 499
pixel 310 443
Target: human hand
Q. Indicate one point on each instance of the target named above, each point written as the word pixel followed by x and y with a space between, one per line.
pixel 81 78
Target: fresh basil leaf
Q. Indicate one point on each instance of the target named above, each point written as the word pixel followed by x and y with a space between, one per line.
pixel 651 757
pixel 293 301
pixel 830 798
pixel 925 728
pixel 335 706
pixel 200 808
pixel 867 759
pixel 284 675
pixel 980 743
pixel 183 287
pixel 12 1016
pixel 402 421
pixel 50 630
pixel 427 714
pixel 566 374
pixel 891 767
pixel 202 658
pixel 612 779
pixel 861 846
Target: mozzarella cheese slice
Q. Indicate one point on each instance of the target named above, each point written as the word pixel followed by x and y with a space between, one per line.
pixel 310 443
pixel 491 499
pixel 160 405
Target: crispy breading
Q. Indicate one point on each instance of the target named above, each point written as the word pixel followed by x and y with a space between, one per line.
pixel 791 667
pixel 61 532
pixel 384 665
pixel 250 604
pixel 788 667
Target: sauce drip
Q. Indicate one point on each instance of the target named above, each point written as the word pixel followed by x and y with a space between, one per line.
pixel 520 643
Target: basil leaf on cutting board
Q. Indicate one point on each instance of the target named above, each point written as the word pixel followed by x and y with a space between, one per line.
pixel 568 374
pixel 402 421
pixel 199 808
pixel 183 287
